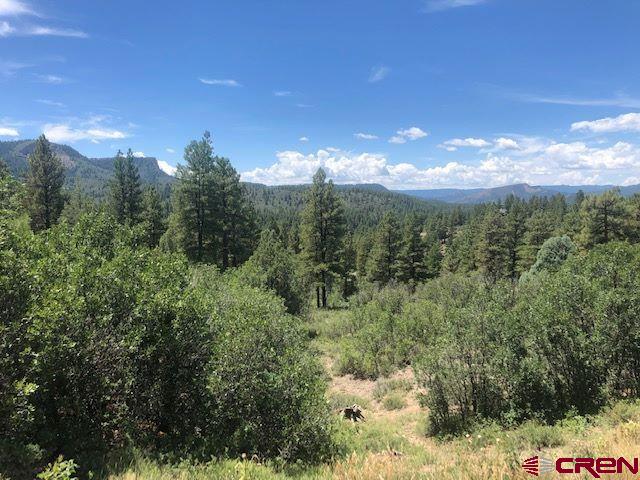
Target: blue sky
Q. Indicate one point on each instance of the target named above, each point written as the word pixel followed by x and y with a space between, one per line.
pixel 408 93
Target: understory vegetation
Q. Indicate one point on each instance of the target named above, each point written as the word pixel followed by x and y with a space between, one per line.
pixel 197 339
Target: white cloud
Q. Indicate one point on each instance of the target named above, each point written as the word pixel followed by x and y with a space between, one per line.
pixel 439 5
pixel 629 122
pixel 94 129
pixel 166 168
pixel 6 29
pixel 620 100
pixel 14 8
pixel 503 143
pixel 378 73
pixel 413 133
pixel 365 136
pixel 303 105
pixel 453 144
pixel 219 82
pixel 170 150
pixel 52 79
pixel 139 154
pixel 537 162
pixel 43 31
pixel 9 132
pixel 282 93
pixel 304 139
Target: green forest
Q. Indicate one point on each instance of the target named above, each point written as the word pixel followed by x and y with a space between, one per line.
pixel 198 330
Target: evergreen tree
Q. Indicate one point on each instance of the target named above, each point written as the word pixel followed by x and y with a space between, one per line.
pixel 153 216
pixel 77 205
pixel 126 194
pixel 347 266
pixel 236 228
pixel 492 250
pixel 409 266
pixel 384 253
pixel 604 218
pixel 460 251
pixel 432 262
pixel 321 231
pixel 363 247
pixel 515 231
pixel 195 202
pixel 45 179
pixel 538 229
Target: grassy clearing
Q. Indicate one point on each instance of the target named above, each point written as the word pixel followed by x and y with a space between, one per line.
pixel 391 444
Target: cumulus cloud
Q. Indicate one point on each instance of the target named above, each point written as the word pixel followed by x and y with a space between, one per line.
pixel 139 154
pixel 629 122
pixel 378 73
pixel 503 143
pixel 9 132
pixel 220 82
pixel 304 139
pixel 9 8
pixel 365 136
pixel 453 144
pixel 166 168
pixel 537 162
pixel 410 134
pixel 94 129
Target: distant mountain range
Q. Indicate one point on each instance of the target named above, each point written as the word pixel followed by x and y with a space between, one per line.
pixel 93 174
pixel 521 190
pixel 90 174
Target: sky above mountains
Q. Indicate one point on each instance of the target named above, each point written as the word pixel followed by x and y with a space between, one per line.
pixel 406 93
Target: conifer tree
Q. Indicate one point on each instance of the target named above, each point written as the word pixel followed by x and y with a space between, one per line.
pixel 126 194
pixel 604 218
pixel 321 231
pixel 45 179
pixel 492 251
pixel 384 253
pixel 410 266
pixel 153 216
pixel 235 227
pixel 77 205
pixel 195 201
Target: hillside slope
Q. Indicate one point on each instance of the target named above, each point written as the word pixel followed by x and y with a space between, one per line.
pixel 90 174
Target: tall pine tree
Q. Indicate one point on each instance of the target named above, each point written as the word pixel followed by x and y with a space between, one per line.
pixel 410 266
pixel 126 194
pixel 382 263
pixel 195 220
pixel 321 231
pixel 153 216
pixel 45 179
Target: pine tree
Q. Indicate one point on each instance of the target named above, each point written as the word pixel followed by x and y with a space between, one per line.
pixel 321 231
pixel 195 202
pixel 515 230
pixel 153 216
pixel 126 194
pixel 363 248
pixel 347 266
pixel 409 265
pixel 45 179
pixel 538 229
pixel 77 205
pixel 492 250
pixel 384 253
pixel 604 218
pixel 236 227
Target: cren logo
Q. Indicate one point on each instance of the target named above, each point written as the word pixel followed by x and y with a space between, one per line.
pixel 537 465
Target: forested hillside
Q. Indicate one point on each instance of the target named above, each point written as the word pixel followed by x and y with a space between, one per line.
pixel 91 175
pixel 229 325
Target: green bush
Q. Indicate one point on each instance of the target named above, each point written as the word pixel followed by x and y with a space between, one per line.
pixel 394 401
